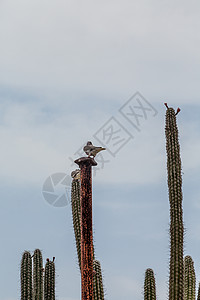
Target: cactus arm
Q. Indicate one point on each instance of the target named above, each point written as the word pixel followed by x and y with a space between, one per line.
pixel 149 285
pixel 98 282
pixel 37 275
pixel 189 279
pixel 26 276
pixel 49 281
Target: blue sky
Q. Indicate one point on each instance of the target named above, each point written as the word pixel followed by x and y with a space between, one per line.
pixel 66 68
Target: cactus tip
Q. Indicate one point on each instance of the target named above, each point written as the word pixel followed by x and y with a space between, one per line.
pixel 178 109
pixel 166 105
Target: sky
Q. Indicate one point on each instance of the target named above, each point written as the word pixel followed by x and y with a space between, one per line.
pixel 73 71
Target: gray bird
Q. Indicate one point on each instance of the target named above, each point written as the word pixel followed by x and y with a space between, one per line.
pixel 76 174
pixel 91 150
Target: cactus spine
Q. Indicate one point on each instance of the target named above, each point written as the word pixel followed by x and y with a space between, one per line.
pixel 149 285
pixel 49 281
pixel 37 275
pixel 189 279
pixel 176 213
pixel 26 276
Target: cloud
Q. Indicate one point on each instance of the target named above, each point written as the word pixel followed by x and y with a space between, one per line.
pixel 106 48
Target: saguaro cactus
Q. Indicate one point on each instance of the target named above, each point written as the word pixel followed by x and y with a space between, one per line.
pixel 37 275
pixel 189 279
pixel 49 281
pixel 149 285
pixel 26 276
pixel 176 213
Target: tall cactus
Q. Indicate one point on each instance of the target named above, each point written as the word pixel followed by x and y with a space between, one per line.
pixel 149 285
pixel 176 213
pixel 49 281
pixel 189 279
pixel 37 275
pixel 26 276
pixel 98 291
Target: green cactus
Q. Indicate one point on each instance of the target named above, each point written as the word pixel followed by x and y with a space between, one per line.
pixel 26 276
pixel 149 285
pixel 49 281
pixel 76 211
pixel 189 279
pixel 176 213
pixel 37 275
pixel 98 282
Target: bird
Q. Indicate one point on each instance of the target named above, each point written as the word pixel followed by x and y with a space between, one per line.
pixel 54 258
pixel 76 174
pixel 91 150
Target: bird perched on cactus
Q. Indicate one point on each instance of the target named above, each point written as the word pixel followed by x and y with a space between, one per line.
pixel 92 150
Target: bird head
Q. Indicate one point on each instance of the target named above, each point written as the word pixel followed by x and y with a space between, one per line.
pixel 89 143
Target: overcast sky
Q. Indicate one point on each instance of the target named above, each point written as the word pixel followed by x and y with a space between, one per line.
pixel 71 71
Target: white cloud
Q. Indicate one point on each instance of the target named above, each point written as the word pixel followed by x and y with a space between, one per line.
pixel 104 47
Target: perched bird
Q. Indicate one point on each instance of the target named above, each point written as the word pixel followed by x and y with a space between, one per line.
pixel 91 150
pixel 54 258
pixel 76 174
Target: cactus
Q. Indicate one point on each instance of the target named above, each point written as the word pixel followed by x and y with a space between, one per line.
pixel 26 276
pixel 176 213
pixel 189 279
pixel 97 280
pixel 49 281
pixel 37 275
pixel 149 285
pixel 41 290
pixel 76 213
